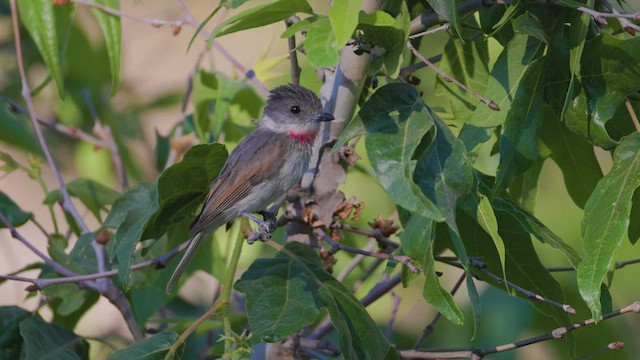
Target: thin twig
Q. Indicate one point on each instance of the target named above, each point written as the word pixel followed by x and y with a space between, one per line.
pixel 355 261
pixel 294 69
pixel 629 27
pixel 105 133
pixel 618 345
pixel 428 330
pixel 375 233
pixel 529 294
pixel 115 12
pixel 106 288
pixel 159 262
pixel 632 113
pixel 477 354
pixel 335 247
pixel 394 313
pixel 490 103
pixel 443 27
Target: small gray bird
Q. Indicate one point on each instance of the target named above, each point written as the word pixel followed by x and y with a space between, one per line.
pixel 263 166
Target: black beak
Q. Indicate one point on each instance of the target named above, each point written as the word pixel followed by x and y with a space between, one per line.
pixel 323 117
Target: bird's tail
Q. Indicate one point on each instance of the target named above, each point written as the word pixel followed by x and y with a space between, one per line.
pixel 188 255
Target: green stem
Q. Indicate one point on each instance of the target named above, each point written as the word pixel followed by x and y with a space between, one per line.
pixel 225 296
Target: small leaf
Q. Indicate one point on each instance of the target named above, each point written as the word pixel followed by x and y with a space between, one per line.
pixel 93 195
pixel 343 15
pixel 153 348
pixel 262 15
pixel 17 130
pixel 606 219
pixel 394 121
pixel 417 243
pixel 110 26
pixel 287 292
pixel 38 17
pixel 12 212
pixel 46 341
pixel 129 215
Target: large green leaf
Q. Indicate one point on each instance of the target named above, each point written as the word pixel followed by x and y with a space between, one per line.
pixel 606 219
pixel 535 227
pixel 289 291
pixel 129 215
pixel 608 75
pixel 182 187
pixel 466 61
pixel 343 15
pixel 38 17
pixel 111 30
pixel 10 340
pixel 417 242
pixel 153 348
pixel 575 157
pixel 518 149
pixel 12 212
pixel 321 43
pixel 448 9
pixel 395 121
pixel 503 84
pixel 262 15
pixel 46 341
pixel 93 195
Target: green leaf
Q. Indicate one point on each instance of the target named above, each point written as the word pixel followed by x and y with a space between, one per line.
pixel 288 292
pixel 385 41
pixel 343 15
pixel 394 121
pixel 576 158
pixel 232 4
pixel 182 187
pixel 448 9
pixel 262 15
pixel 606 219
pixel 321 44
pixel 579 27
pixel 12 212
pixel 608 75
pixel 634 226
pixel 300 26
pixel 223 92
pixel 46 341
pixel 129 215
pixel 10 340
pixel 417 243
pixel 38 17
pixel 17 130
pixel 153 348
pixel 93 195
pixel 111 30
pixel 518 149
pixel 533 226
pixel 466 61
pixel 503 84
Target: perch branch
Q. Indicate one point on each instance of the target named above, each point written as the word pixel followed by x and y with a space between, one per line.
pixel 294 69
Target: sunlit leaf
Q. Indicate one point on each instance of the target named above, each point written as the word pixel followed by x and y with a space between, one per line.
pixel 606 219
pixel 111 31
pixel 343 15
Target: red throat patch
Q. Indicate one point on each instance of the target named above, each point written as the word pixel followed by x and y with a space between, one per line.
pixel 305 138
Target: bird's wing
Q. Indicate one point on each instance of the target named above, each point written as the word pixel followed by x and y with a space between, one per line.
pixel 256 158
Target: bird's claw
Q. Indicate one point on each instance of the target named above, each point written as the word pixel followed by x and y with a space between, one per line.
pixel 265 227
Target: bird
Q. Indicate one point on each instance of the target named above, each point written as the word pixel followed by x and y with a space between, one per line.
pixel 262 167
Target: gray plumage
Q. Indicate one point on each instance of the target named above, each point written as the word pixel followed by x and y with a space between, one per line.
pixel 264 165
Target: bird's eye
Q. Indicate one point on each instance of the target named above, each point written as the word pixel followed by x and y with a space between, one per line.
pixel 295 109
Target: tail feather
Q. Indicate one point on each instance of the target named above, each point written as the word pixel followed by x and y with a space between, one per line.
pixel 188 255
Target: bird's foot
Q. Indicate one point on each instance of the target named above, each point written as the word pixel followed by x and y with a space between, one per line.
pixel 265 227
